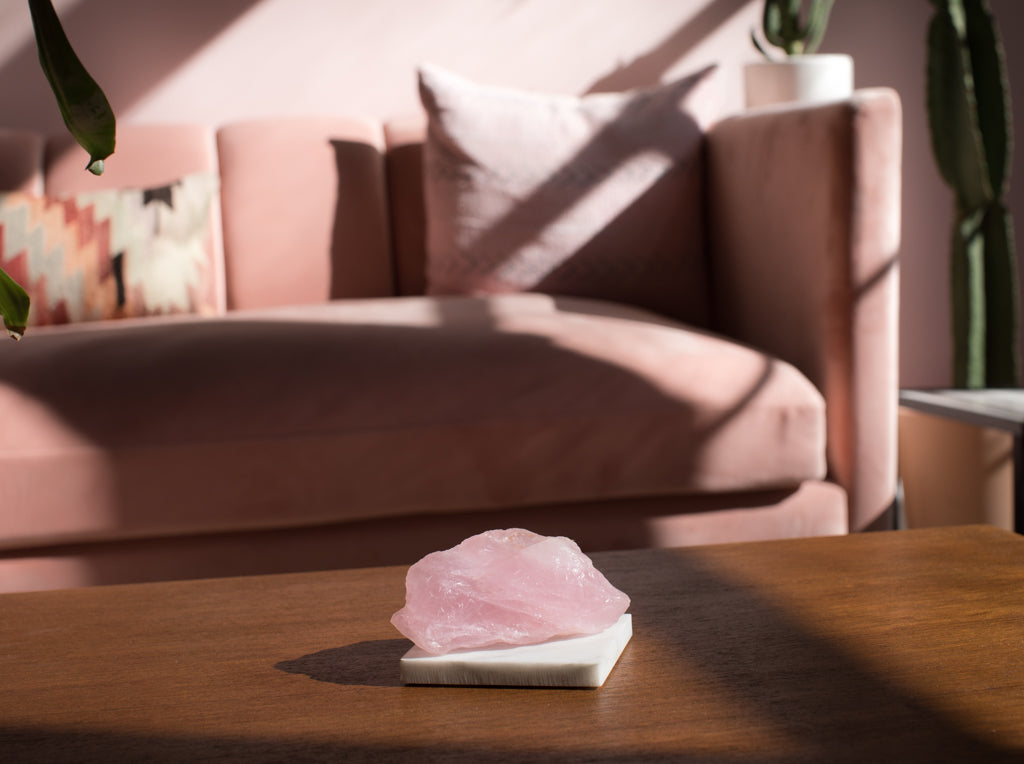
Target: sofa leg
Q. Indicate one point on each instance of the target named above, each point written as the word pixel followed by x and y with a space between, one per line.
pixel 894 518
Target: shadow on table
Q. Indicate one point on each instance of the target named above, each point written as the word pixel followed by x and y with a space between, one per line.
pixel 373 663
pixel 67 747
pixel 787 675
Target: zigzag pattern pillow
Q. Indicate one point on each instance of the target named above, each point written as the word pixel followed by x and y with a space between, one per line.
pixel 112 253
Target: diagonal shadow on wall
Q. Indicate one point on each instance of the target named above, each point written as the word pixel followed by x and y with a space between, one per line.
pixel 649 67
pixel 143 41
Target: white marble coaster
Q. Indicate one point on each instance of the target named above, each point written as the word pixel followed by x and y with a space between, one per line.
pixel 576 662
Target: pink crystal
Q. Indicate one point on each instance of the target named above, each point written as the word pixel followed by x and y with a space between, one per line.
pixel 505 587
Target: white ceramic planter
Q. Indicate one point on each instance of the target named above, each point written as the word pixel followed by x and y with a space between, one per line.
pixel 807 79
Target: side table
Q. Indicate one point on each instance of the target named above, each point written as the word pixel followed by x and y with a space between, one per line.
pixel 1000 409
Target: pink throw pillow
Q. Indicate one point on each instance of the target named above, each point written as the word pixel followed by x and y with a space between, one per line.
pixel 596 196
pixel 112 253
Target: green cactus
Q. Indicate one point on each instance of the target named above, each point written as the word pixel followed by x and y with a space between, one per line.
pixel 787 27
pixel 970 124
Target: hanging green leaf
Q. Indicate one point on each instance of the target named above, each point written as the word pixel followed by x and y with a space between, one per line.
pixel 84 107
pixel 14 304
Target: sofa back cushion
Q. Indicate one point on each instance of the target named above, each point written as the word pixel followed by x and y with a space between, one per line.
pixel 305 214
pixel 405 138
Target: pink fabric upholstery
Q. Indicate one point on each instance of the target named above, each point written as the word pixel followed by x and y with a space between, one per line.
pixel 821 288
pixel 815 509
pixel 404 139
pixel 304 200
pixel 359 409
pixel 286 436
pixel 146 155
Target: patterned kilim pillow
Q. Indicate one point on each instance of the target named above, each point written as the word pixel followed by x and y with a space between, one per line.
pixel 112 253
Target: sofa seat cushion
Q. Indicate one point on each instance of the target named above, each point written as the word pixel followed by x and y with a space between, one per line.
pixel 357 409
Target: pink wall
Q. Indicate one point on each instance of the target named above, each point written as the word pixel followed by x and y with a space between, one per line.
pixel 197 60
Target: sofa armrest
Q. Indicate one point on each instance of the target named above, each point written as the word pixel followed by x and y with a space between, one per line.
pixel 804 218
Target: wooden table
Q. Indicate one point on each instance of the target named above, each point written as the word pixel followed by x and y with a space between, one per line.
pixel 898 646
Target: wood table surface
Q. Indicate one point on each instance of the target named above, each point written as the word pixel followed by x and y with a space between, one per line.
pixel 899 646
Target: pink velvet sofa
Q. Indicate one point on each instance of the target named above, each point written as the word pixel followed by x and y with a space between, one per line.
pixel 330 413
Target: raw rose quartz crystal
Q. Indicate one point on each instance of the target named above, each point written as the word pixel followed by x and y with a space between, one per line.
pixel 505 587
